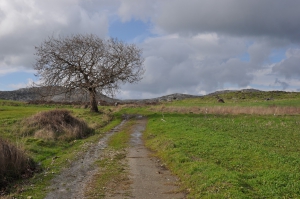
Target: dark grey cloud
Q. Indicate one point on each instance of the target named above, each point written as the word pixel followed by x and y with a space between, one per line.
pixel 138 9
pixel 276 18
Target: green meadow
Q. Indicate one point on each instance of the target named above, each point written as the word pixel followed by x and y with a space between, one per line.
pixel 219 156
pixel 247 147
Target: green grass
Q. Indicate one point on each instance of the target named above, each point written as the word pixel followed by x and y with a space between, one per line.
pixel 120 139
pixel 13 112
pixel 230 156
pixel 52 156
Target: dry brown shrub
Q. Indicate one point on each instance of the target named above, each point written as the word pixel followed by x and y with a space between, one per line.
pixel 55 125
pixel 14 163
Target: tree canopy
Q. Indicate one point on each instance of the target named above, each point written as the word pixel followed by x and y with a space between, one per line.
pixel 88 63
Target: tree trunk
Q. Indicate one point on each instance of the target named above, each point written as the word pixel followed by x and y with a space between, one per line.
pixel 93 102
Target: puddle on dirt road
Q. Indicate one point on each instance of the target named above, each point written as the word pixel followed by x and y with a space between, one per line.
pixel 136 136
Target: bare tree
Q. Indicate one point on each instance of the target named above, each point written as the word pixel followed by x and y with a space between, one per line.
pixel 87 63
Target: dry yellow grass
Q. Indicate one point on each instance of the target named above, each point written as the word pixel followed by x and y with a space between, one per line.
pixel 230 110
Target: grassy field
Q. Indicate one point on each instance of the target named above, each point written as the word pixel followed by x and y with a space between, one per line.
pixel 247 147
pixel 219 156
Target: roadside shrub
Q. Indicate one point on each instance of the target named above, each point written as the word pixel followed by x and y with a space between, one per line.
pixel 14 163
pixel 55 125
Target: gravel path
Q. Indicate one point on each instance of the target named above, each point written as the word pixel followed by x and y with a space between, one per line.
pixel 70 183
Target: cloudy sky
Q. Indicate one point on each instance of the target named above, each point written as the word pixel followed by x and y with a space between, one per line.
pixel 190 46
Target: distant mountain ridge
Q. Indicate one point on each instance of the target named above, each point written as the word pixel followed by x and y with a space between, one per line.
pixel 250 90
pixel 23 94
pixel 171 97
pixel 30 94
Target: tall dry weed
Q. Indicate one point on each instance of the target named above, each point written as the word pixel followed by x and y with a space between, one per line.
pixel 14 163
pixel 56 125
pixel 274 110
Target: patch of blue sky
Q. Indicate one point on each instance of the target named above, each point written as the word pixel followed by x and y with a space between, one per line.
pixel 13 81
pixel 277 55
pixel 132 31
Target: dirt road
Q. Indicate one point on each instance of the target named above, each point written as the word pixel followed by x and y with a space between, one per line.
pixel 70 183
pixel 149 178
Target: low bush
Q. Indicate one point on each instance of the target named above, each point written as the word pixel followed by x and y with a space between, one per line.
pixel 55 125
pixel 14 163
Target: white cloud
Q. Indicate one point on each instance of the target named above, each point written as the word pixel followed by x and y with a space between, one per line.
pixel 4 70
pixel 25 24
pixel 207 62
pixel 192 64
